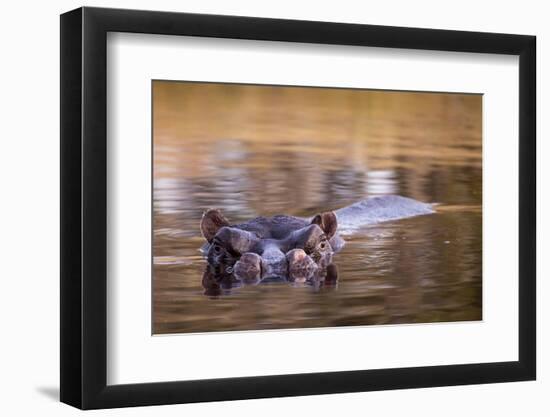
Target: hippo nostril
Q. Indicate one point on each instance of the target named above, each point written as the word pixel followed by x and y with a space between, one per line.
pixel 248 267
pixel 295 255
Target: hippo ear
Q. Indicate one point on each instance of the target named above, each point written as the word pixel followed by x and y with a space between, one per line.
pixel 212 220
pixel 326 221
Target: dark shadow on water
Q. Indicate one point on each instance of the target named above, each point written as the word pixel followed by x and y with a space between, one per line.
pixel 216 284
pixel 50 392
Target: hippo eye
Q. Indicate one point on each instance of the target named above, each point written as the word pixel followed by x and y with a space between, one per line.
pixel 217 248
pixel 323 245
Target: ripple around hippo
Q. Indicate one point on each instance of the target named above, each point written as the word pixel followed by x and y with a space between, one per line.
pixel 287 248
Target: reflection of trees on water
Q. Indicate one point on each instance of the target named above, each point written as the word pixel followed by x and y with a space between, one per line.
pixel 293 188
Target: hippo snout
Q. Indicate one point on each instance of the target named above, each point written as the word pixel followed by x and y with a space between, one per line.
pixel 274 263
pixel 252 267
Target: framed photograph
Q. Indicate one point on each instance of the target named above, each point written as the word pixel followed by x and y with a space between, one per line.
pixel 257 208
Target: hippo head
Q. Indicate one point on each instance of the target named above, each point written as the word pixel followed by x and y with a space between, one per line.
pixel 282 247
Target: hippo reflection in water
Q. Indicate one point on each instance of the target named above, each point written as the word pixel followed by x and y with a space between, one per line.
pixel 288 248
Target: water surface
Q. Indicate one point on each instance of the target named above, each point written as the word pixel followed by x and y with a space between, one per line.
pixel 252 150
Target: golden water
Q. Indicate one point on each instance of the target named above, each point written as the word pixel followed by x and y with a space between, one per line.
pixel 261 150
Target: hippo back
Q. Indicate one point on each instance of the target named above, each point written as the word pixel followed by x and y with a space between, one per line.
pixel 375 210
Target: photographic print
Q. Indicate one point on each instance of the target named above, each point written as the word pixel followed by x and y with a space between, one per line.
pixel 286 207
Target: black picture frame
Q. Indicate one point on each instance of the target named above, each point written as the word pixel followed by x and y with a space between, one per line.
pixel 84 207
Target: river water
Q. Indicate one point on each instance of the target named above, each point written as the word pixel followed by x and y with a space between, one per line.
pixel 263 150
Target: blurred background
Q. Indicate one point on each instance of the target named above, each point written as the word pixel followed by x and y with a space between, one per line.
pixel 262 150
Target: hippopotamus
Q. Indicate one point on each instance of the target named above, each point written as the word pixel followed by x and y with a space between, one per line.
pixel 288 247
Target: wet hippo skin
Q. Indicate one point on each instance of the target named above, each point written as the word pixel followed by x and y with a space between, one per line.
pixel 274 247
pixel 291 248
